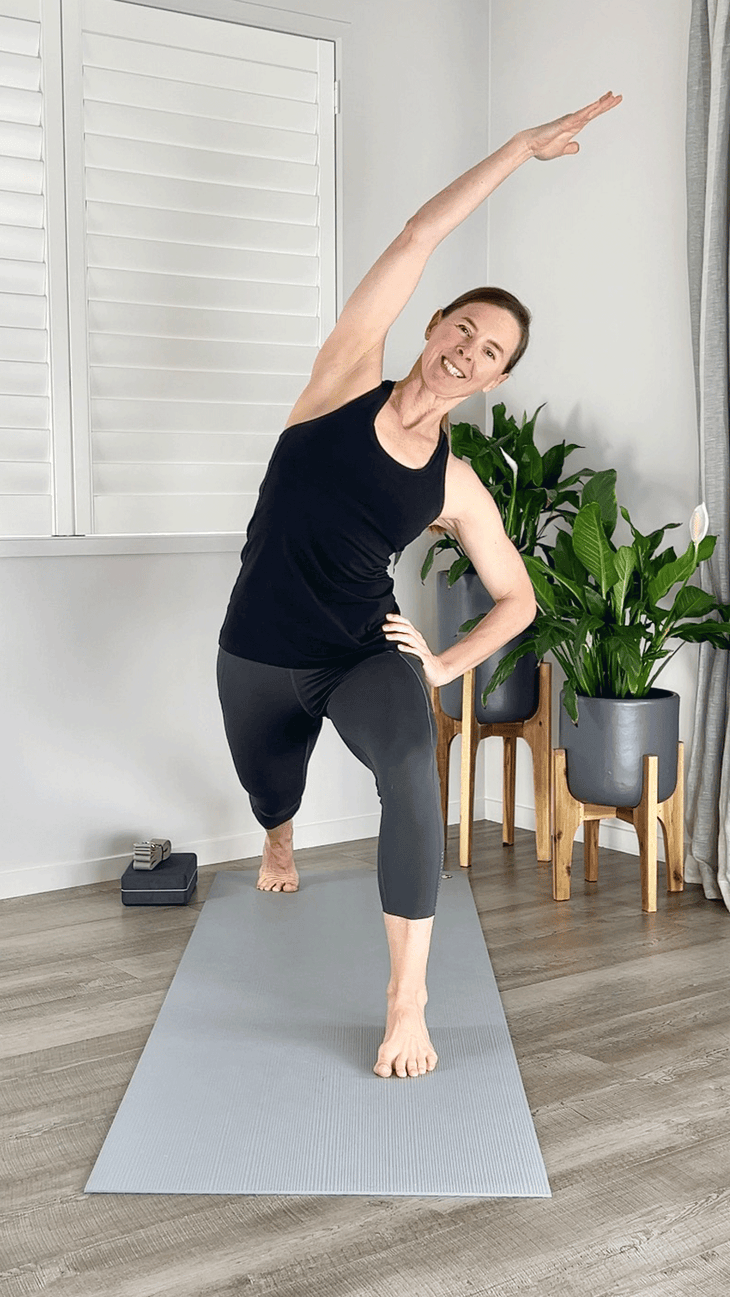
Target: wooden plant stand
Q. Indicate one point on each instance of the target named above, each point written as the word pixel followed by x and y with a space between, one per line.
pixel 535 731
pixel 569 814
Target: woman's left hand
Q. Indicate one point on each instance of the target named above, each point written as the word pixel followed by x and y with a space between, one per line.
pixel 410 640
pixel 555 139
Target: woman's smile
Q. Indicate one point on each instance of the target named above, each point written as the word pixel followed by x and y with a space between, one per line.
pixel 451 369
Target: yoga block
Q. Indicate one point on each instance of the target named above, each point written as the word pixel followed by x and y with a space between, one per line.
pixel 170 883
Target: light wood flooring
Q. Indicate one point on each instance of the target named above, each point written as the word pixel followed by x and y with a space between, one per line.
pixel 620 1021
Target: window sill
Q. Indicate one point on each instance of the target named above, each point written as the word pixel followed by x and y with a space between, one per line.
pixel 63 546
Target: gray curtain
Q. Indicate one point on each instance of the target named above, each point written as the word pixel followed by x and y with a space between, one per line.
pixel 708 194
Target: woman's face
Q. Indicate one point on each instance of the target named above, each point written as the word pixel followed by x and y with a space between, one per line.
pixel 467 351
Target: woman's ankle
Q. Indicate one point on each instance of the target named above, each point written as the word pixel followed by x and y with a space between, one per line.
pixel 282 835
pixel 406 994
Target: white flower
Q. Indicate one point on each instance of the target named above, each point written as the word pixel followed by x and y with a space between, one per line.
pixel 511 462
pixel 699 524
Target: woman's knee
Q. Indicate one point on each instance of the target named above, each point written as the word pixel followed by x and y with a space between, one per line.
pixel 407 761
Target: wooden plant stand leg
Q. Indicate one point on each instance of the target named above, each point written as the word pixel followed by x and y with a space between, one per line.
pixel 670 815
pixel 671 818
pixel 567 819
pixel 536 731
pixel 509 772
pixel 469 744
pixel 447 728
pixel 591 830
pixel 645 822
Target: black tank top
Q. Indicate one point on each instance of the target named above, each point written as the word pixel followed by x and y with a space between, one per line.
pixel 333 508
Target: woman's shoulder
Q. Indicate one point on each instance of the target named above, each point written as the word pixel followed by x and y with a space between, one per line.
pixel 464 493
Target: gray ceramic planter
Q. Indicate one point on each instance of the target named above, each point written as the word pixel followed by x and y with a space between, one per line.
pixel 514 700
pixel 604 752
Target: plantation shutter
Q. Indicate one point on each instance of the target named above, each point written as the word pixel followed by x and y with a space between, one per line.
pixel 26 504
pixel 202 271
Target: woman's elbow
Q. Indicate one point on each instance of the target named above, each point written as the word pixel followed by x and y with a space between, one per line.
pixel 528 607
pixel 418 232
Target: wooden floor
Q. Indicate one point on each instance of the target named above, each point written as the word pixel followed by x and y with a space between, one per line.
pixel 620 1021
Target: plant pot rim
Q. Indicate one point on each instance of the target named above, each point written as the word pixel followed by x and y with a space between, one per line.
pixel 654 695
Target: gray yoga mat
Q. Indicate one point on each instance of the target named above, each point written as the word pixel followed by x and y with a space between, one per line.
pixel 257 1076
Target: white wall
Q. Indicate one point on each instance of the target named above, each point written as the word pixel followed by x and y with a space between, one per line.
pixel 595 244
pixel 110 717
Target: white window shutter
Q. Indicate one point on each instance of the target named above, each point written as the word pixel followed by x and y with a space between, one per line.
pixel 202 268
pixel 26 503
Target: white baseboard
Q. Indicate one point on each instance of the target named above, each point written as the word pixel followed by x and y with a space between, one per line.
pixel 56 875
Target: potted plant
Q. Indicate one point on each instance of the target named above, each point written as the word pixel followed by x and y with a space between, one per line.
pixel 604 615
pixel 530 493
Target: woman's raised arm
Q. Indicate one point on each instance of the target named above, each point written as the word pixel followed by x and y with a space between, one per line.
pixel 380 297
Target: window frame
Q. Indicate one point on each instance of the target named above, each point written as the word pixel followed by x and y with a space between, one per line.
pixel 65 542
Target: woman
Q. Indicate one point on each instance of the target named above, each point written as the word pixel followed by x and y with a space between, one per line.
pixel 312 627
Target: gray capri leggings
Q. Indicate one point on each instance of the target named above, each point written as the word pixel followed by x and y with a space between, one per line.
pixel 382 710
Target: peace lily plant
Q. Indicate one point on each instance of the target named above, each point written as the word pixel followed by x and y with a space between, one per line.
pixel 601 605
pixel 527 487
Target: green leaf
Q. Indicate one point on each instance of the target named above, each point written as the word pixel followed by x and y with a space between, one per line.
pixel 592 548
pixel 667 555
pixel 570 701
pixel 565 560
pixel 567 497
pixel 544 592
pixel 529 460
pixel 625 564
pixel 706 548
pixel 458 568
pixel 428 561
pixel 549 633
pixel 443 542
pixel 507 665
pixel 500 422
pixel 467 440
pixel 535 567
pixel 680 570
pixel 644 546
pixel 471 623
pixel 716 632
pixel 625 646
pixel 601 488
pixel 528 425
pixel 552 465
pixel 595 603
pixel 584 627
pixel 691 601
pixel 576 477
pixel 657 536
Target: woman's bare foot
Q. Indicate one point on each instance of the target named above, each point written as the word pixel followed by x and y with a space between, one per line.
pixel 278 872
pixel 406 1048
